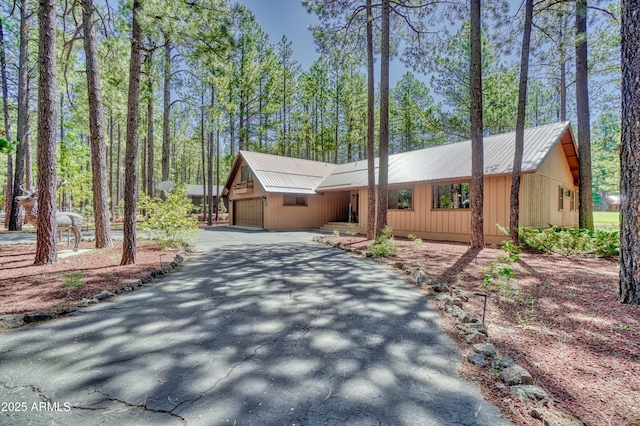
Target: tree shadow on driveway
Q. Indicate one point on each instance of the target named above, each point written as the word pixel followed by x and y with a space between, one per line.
pixel 268 334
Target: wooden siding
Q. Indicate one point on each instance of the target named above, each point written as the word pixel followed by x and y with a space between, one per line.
pixel 539 195
pixel 255 192
pixel 320 209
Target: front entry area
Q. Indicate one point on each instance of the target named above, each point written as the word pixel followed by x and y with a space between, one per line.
pixel 249 212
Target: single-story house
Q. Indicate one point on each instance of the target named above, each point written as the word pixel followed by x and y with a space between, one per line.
pixel 428 188
pixel 196 193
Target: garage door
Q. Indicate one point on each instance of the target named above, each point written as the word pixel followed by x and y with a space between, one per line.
pixel 248 212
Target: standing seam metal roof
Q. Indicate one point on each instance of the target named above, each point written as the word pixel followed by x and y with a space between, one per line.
pixel 453 161
pixel 286 174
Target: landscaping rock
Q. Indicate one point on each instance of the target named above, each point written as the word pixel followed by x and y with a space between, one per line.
pixel 449 300
pixel 441 288
pixel 103 295
pixel 477 359
pixel 555 417
pixel 478 326
pixel 457 312
pixel 486 349
pixel 503 362
pixel 38 316
pixel 469 317
pixel 12 321
pixel 516 375
pixel 85 302
pixel 530 393
pixel 474 337
pixel 421 277
pixel 460 293
pixel 502 387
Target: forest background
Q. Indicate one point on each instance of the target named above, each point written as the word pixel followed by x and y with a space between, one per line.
pixel 212 83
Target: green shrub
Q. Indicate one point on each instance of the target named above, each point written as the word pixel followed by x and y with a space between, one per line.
pixel 168 221
pixel 572 241
pixel 415 239
pixel 385 244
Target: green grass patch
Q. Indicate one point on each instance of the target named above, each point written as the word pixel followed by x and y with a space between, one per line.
pixel 606 219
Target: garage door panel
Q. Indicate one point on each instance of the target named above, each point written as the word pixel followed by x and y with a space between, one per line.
pixel 248 212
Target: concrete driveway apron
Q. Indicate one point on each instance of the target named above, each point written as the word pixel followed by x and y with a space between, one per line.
pixel 258 328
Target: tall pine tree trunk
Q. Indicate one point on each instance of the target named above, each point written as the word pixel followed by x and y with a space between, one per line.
pixel 96 128
pixel 585 203
pixel 371 152
pixel 204 162
pixel 15 220
pixel 130 188
pixel 477 148
pixel 630 155
pixel 383 162
pixel 167 111
pixel 46 249
pixel 111 194
pixel 210 162
pixel 150 157
pixel 7 126
pixel 520 122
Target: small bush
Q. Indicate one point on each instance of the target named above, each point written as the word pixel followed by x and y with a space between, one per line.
pixel 572 241
pixel 169 222
pixel 385 244
pixel 416 240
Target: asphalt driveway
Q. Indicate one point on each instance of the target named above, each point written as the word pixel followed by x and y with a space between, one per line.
pixel 259 328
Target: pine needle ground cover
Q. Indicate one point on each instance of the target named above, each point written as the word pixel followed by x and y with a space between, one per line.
pixel 28 288
pixel 560 319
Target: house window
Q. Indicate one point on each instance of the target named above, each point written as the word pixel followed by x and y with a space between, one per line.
pixel 295 200
pixel 400 199
pixel 565 193
pixel 245 174
pixel 451 196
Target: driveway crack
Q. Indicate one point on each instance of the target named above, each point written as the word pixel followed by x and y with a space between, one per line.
pixel 144 407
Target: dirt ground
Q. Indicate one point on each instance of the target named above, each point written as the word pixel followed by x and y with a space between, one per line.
pixel 559 317
pixel 27 288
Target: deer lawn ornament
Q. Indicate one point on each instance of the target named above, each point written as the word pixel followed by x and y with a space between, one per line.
pixel 65 221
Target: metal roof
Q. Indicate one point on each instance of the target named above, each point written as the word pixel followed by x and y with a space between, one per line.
pixel 453 161
pixel 286 174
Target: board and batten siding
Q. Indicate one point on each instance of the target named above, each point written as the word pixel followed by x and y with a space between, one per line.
pixel 538 205
pixel 256 192
pixel 320 209
pixel 539 195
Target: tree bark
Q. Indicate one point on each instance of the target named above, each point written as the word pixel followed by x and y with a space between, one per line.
pixel 204 161
pixel 96 128
pixel 477 148
pixel 167 110
pixel 563 69
pixel 371 170
pixel 15 220
pixel 585 201
pixel 150 157
pixel 210 162
pixel 630 155
pixel 46 250
pixel 520 122
pixel 7 127
pixel 130 188
pixel 111 194
pixel 383 162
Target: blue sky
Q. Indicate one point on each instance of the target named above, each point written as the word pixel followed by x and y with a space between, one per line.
pixel 289 17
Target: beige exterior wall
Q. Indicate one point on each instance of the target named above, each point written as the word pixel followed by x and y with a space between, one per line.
pixel 538 208
pixel 539 194
pixel 320 209
pixel 538 198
